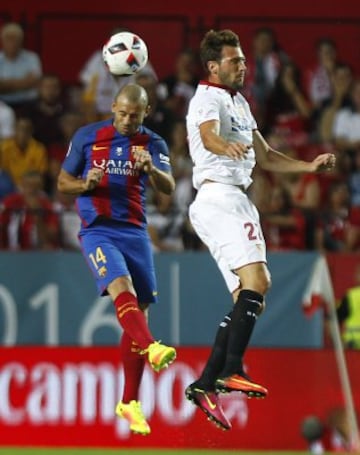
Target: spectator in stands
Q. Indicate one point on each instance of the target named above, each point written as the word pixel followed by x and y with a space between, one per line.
pixel 7 121
pixel 304 190
pixel 346 127
pixel 352 238
pixel 332 434
pixel 159 117
pixel 318 76
pixel 20 69
pixel 348 313
pixel 181 164
pixel 183 195
pixel 354 180
pixel 69 122
pixel 263 66
pixel 284 225
pixel 22 153
pixel 27 219
pixel 69 220
pixel 167 215
pixel 341 81
pixel 165 222
pixel 179 87
pixel 332 221
pixel 46 111
pixel 7 186
pixel 289 109
pixel 100 87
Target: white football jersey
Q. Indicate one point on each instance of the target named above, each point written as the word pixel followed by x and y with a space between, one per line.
pixel 214 102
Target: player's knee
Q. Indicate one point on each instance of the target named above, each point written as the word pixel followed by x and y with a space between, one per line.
pixel 262 284
pixel 262 308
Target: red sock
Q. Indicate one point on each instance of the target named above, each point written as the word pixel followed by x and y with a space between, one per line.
pixel 133 367
pixel 132 319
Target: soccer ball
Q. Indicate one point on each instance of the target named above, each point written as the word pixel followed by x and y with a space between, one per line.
pixel 125 54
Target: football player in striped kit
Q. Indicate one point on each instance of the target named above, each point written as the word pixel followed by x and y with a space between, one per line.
pixel 108 166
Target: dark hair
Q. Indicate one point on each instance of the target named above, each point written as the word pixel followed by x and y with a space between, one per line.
pixel 213 42
pixel 325 41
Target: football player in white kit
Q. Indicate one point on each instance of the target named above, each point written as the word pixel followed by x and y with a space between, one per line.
pixel 224 145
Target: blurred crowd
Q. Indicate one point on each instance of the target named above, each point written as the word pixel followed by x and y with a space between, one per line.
pixel 301 111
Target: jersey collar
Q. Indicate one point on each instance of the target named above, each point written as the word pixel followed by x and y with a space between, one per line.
pixel 224 87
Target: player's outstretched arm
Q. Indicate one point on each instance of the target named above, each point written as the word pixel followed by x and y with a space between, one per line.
pixel 275 161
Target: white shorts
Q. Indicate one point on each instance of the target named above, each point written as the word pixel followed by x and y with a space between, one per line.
pixel 228 223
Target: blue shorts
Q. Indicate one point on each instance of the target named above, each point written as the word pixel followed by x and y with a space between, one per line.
pixel 113 250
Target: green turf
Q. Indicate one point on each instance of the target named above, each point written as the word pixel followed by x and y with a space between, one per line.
pixel 68 451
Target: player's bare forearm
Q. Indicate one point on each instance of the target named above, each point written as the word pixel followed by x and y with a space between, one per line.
pixel 69 184
pixel 275 161
pixel 162 181
pixel 214 143
pixel 278 162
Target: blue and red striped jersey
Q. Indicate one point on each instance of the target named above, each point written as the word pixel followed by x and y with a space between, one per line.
pixel 121 193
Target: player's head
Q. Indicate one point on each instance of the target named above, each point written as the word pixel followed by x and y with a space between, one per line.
pixel 130 107
pixel 223 58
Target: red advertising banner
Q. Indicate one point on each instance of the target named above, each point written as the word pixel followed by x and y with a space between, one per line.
pixel 67 396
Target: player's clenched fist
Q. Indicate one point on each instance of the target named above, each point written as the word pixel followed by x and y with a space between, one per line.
pixel 323 162
pixel 143 160
pixel 93 178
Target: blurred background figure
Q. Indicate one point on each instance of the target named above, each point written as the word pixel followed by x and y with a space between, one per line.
pixel 312 429
pixel 178 87
pixel 284 225
pixel 289 110
pixel 346 126
pixel 332 220
pixel 323 116
pixel 46 111
pixel 20 69
pixel 69 122
pixel 329 434
pixel 70 222
pixel 7 121
pixel 22 153
pixel 263 66
pixel 318 76
pixel 27 219
pixel 348 313
pixel 159 117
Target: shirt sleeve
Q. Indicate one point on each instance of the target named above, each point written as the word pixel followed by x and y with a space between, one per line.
pixel 160 155
pixel 340 128
pixel 206 110
pixel 74 161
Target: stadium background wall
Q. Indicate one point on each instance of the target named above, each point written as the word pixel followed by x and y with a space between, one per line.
pixel 66 33
pixel 50 298
pixel 65 395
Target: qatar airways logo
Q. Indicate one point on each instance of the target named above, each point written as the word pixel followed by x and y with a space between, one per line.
pixel 118 167
pixel 85 394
